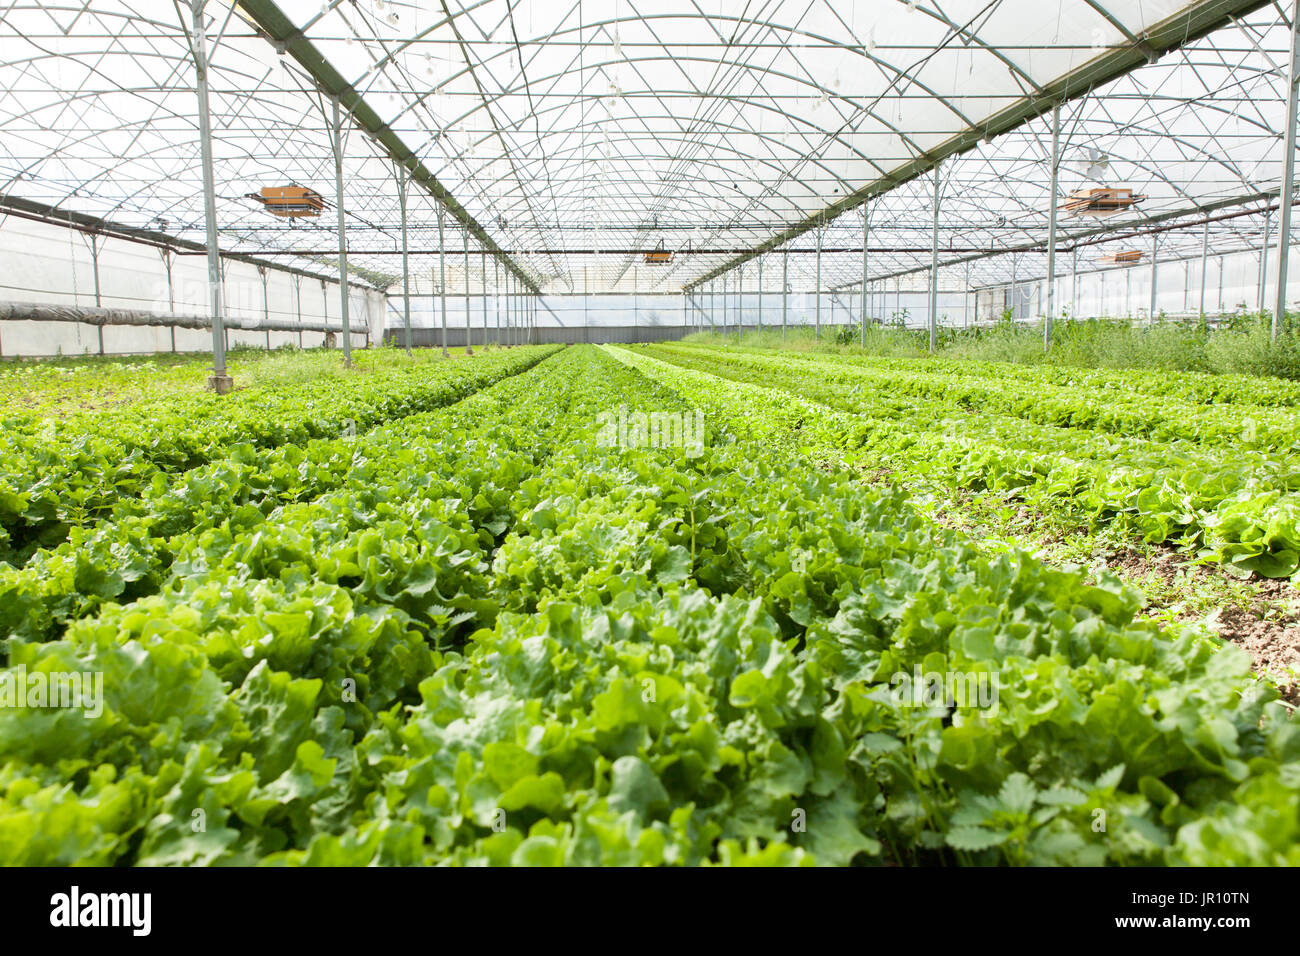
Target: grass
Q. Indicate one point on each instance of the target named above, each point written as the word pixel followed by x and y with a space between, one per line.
pixel 1240 344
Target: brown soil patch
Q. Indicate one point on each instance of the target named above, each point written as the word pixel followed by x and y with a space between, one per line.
pixel 1274 646
pixel 1272 639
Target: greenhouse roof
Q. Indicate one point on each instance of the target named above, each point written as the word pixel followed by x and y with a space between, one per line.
pixel 567 138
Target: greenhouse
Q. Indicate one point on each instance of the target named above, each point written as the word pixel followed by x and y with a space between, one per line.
pixel 690 432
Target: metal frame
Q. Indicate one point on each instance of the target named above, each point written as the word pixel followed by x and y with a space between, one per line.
pixel 728 134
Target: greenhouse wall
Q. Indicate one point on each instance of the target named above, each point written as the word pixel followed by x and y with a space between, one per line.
pixel 1232 284
pixel 53 265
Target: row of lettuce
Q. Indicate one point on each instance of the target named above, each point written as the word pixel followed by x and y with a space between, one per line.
pixel 1219 479
pixel 63 473
pixel 497 637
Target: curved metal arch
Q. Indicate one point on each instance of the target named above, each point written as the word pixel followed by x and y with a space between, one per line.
pixel 111 168
pixel 586 97
pixel 1192 22
pixel 856 49
pixel 819 163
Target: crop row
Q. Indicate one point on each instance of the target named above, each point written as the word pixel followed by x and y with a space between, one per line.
pixel 1197 388
pixel 1236 507
pixel 526 645
pixel 65 474
pixel 1115 411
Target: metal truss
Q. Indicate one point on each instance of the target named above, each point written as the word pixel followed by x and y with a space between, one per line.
pixel 565 138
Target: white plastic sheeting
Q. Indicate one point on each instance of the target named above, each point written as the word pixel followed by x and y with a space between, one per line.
pixel 709 125
pixel 52 264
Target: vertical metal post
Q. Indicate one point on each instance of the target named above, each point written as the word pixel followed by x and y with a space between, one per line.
pixel 483 271
pixel 406 276
pixel 965 297
pixel 171 292
pixel 496 295
pixel 1155 250
pixel 94 267
pixel 1014 292
pixel 1263 259
pixel 818 314
pixel 1051 229
pixel 740 302
pixel 866 228
pixel 266 306
pixel 1074 283
pixel 343 236
pixel 221 382
pixel 442 277
pixel 760 295
pixel 1287 192
pixel 297 303
pixel 1205 252
pixel 785 291
pixel 934 267
pixel 469 345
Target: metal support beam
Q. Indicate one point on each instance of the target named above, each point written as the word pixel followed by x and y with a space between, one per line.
pixel 483 270
pixel 1205 252
pixel 469 326
pixel 1288 173
pixel 406 276
pixel 866 228
pixel 785 291
pixel 934 266
pixel 171 291
pixel 220 382
pixel 266 306
pixel 337 142
pixel 818 332
pixel 442 277
pixel 1155 262
pixel 1263 259
pixel 1051 229
pixel 760 295
pixel 1074 283
pixel 740 302
pixel 94 269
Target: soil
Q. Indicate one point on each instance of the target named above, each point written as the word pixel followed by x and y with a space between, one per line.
pixel 1272 639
